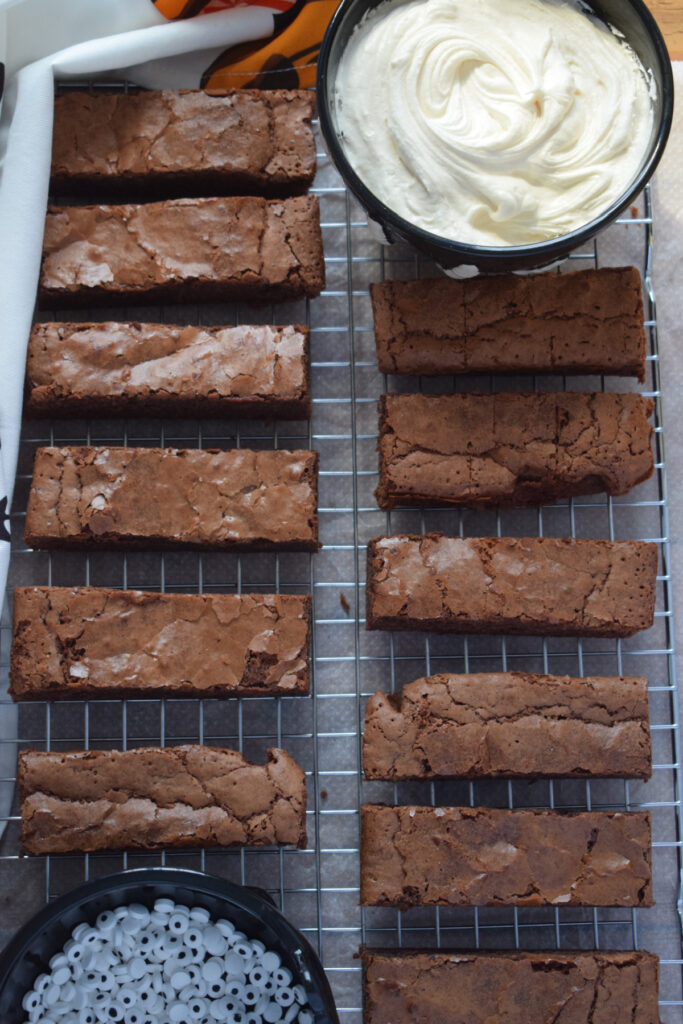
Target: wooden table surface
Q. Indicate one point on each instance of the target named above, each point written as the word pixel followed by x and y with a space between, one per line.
pixel 669 15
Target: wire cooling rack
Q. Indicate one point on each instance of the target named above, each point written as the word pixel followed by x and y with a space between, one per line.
pixel 318 888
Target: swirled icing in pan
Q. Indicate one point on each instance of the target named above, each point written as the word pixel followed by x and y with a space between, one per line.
pixel 492 122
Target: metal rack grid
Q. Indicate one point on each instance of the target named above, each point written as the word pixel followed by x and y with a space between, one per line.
pixel 318 887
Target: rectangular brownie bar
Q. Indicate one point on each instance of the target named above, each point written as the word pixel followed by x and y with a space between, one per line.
pixel 483 857
pixel 239 500
pixel 188 142
pixel 509 724
pixel 134 369
pixel 510 449
pixel 539 586
pixel 183 250
pixel 84 642
pixel 154 797
pixel 514 987
pixel 587 322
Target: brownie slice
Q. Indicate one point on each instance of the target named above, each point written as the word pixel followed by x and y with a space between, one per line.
pixel 154 797
pixel 510 449
pixel 183 250
pixel 587 322
pixel 542 586
pixel 509 724
pixel 483 857
pixel 84 642
pixel 134 369
pixel 189 142
pixel 240 500
pixel 511 987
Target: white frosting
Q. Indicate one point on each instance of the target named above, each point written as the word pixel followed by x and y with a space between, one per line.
pixel 492 122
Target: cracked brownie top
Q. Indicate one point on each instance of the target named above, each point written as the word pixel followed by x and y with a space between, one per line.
pixel 464 856
pixel 509 724
pixel 531 585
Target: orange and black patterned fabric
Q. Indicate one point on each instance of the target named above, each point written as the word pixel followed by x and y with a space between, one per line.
pixel 285 61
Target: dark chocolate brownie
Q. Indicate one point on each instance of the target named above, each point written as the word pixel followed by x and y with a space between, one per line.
pixel 481 857
pixel 184 250
pixel 190 142
pixel 241 500
pixel 509 724
pixel 590 321
pixel 85 642
pixel 133 369
pixel 154 797
pixel 459 987
pixel 510 449
pixel 542 586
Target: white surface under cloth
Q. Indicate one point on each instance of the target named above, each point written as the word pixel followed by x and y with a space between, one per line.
pixel 318 887
pixel 668 281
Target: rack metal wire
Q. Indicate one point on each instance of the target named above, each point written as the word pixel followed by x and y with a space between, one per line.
pixel 318 887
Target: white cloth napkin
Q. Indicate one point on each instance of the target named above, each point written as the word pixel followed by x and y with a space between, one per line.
pixel 130 39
